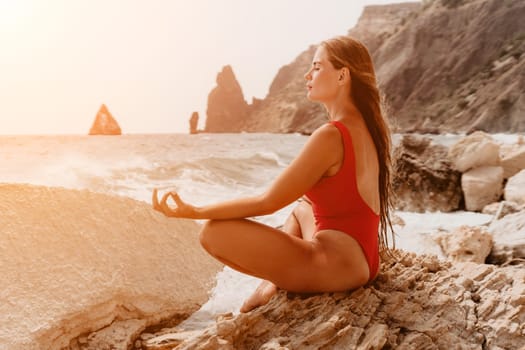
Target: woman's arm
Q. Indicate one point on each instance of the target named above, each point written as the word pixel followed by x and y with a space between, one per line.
pixel 322 151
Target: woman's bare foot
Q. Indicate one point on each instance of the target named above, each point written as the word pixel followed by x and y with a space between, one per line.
pixel 261 296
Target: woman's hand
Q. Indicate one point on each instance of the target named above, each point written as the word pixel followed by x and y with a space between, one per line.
pixel 182 209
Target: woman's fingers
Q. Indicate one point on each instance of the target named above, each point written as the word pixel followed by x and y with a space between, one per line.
pixel 155 200
pixel 163 205
pixel 176 198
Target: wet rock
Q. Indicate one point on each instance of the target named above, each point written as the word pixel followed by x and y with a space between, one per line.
pixel 500 209
pixel 423 179
pixel 475 150
pixel 508 234
pixel 466 243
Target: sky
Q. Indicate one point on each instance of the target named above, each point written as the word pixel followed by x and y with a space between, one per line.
pixel 151 62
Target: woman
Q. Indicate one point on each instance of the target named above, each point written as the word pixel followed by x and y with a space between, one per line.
pixel 342 173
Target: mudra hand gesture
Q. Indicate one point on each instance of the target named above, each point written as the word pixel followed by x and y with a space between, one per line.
pixel 182 209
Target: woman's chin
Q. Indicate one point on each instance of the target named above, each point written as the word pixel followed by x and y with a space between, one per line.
pixel 309 97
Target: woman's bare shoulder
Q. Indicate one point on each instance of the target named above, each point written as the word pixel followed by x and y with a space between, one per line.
pixel 327 133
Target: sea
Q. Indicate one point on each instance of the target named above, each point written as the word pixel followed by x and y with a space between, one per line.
pixel 204 169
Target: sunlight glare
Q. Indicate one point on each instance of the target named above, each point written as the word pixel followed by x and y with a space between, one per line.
pixel 13 13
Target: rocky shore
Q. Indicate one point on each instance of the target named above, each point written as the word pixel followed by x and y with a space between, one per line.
pixel 417 302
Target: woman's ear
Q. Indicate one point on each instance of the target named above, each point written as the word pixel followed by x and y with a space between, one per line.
pixel 344 75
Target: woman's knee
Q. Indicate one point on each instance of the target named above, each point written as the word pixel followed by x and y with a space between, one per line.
pixel 208 234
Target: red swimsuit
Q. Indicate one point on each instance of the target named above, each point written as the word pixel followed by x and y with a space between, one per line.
pixel 337 205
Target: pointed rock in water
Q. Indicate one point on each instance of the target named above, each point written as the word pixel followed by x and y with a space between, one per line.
pixel 194 121
pixel 104 123
pixel 227 110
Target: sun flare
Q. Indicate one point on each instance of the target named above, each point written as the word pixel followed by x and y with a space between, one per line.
pixel 13 13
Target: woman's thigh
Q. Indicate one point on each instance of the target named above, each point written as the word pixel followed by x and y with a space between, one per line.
pixel 288 261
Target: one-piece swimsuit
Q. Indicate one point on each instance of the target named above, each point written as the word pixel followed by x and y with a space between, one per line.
pixel 338 205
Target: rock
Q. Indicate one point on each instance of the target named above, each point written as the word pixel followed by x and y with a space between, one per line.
pixel 397 220
pixel 473 151
pixel 465 243
pixel 417 302
pixel 508 235
pixel 482 186
pixel 286 108
pixel 513 162
pixel 515 188
pixel 227 110
pixel 506 208
pixel 441 69
pixel 194 122
pixel 74 262
pixel 423 179
pixel 379 22
pixel 104 123
pixel 117 336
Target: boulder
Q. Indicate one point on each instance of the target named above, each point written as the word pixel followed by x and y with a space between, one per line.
pixel 482 186
pixel 423 179
pixel 74 262
pixel 466 243
pixel 227 110
pixel 515 188
pixel 104 123
pixel 500 209
pixel 417 302
pixel 508 235
pixel 513 162
pixel 475 150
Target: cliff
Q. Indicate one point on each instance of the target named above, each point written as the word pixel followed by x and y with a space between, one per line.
pixel 442 66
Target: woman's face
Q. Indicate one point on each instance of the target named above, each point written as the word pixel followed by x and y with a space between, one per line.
pixel 322 78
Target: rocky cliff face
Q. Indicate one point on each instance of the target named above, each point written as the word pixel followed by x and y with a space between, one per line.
pixel 443 66
pixel 457 67
pixel 227 109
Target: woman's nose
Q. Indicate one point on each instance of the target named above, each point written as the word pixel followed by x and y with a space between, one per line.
pixel 307 75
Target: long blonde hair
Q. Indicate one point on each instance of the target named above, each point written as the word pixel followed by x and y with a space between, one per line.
pixel 344 51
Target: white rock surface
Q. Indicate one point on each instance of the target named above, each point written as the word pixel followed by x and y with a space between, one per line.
pixel 465 244
pixel 482 186
pixel 513 162
pixel 475 150
pixel 509 239
pixel 73 261
pixel 515 188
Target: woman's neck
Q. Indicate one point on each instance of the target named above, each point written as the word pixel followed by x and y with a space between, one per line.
pixel 343 112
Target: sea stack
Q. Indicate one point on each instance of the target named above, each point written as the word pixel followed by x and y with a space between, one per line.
pixel 194 121
pixel 227 110
pixel 104 123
